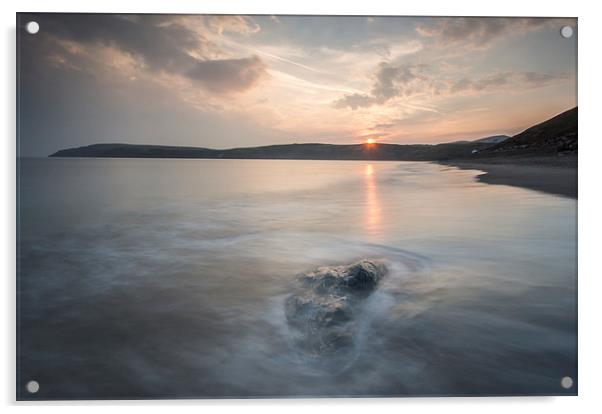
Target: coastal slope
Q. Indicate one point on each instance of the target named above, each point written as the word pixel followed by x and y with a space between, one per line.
pixel 542 157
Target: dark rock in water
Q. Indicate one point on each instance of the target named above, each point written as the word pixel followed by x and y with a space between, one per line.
pixel 324 310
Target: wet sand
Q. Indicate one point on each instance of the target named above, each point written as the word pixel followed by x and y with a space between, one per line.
pixel 554 175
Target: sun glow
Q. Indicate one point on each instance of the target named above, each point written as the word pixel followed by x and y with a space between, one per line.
pixel 370 141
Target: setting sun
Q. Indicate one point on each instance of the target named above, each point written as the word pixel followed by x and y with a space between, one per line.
pixel 370 141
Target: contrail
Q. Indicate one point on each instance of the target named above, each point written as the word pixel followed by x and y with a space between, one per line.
pixel 261 52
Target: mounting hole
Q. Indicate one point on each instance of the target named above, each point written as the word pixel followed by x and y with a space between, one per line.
pixel 566 32
pixel 566 382
pixel 32 27
pixel 32 387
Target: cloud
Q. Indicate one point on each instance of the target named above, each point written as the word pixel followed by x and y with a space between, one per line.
pixel 536 79
pixel 354 101
pixel 391 82
pixel 488 82
pixel 478 32
pixel 523 80
pixel 235 24
pixel 163 44
pixel 229 75
pixel 384 125
pixel 402 80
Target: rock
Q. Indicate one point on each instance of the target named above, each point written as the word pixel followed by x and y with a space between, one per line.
pixel 323 312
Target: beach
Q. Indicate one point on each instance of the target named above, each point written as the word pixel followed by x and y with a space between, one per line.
pixel 553 174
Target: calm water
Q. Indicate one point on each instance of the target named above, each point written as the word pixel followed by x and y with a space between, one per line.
pixel 166 278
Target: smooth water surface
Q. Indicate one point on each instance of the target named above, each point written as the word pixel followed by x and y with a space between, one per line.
pixel 167 278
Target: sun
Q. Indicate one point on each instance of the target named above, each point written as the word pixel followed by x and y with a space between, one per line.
pixel 370 141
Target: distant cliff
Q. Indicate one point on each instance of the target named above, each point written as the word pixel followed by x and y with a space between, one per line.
pixel 556 136
pixel 290 151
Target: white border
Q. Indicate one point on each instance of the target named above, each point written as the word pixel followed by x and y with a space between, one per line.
pixel 590 271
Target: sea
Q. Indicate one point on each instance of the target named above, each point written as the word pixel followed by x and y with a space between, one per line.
pixel 167 278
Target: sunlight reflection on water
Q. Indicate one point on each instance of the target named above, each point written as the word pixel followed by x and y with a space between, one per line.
pixel 373 210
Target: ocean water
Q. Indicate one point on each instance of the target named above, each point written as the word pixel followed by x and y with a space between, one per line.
pixel 167 279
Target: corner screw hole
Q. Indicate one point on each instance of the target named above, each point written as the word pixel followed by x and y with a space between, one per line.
pixel 32 387
pixel 566 382
pixel 566 32
pixel 32 27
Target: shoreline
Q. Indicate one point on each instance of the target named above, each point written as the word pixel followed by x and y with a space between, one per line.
pixel 552 175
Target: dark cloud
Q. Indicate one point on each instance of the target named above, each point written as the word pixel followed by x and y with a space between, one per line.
pixel 354 101
pixel 161 42
pixel 229 75
pixel 488 82
pixel 478 32
pixel 524 80
pixel 389 82
pixel 540 79
pixel 392 81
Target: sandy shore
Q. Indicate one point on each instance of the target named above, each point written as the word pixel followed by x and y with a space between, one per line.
pixel 548 174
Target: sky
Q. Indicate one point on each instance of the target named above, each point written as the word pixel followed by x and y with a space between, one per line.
pixel 234 81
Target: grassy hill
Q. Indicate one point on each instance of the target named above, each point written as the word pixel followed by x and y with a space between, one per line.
pixel 557 135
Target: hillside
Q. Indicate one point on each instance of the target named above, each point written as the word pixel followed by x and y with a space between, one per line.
pixel 557 135
pixel 543 158
pixel 495 139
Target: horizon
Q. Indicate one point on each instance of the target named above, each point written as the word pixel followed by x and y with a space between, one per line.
pixel 229 81
pixel 305 143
